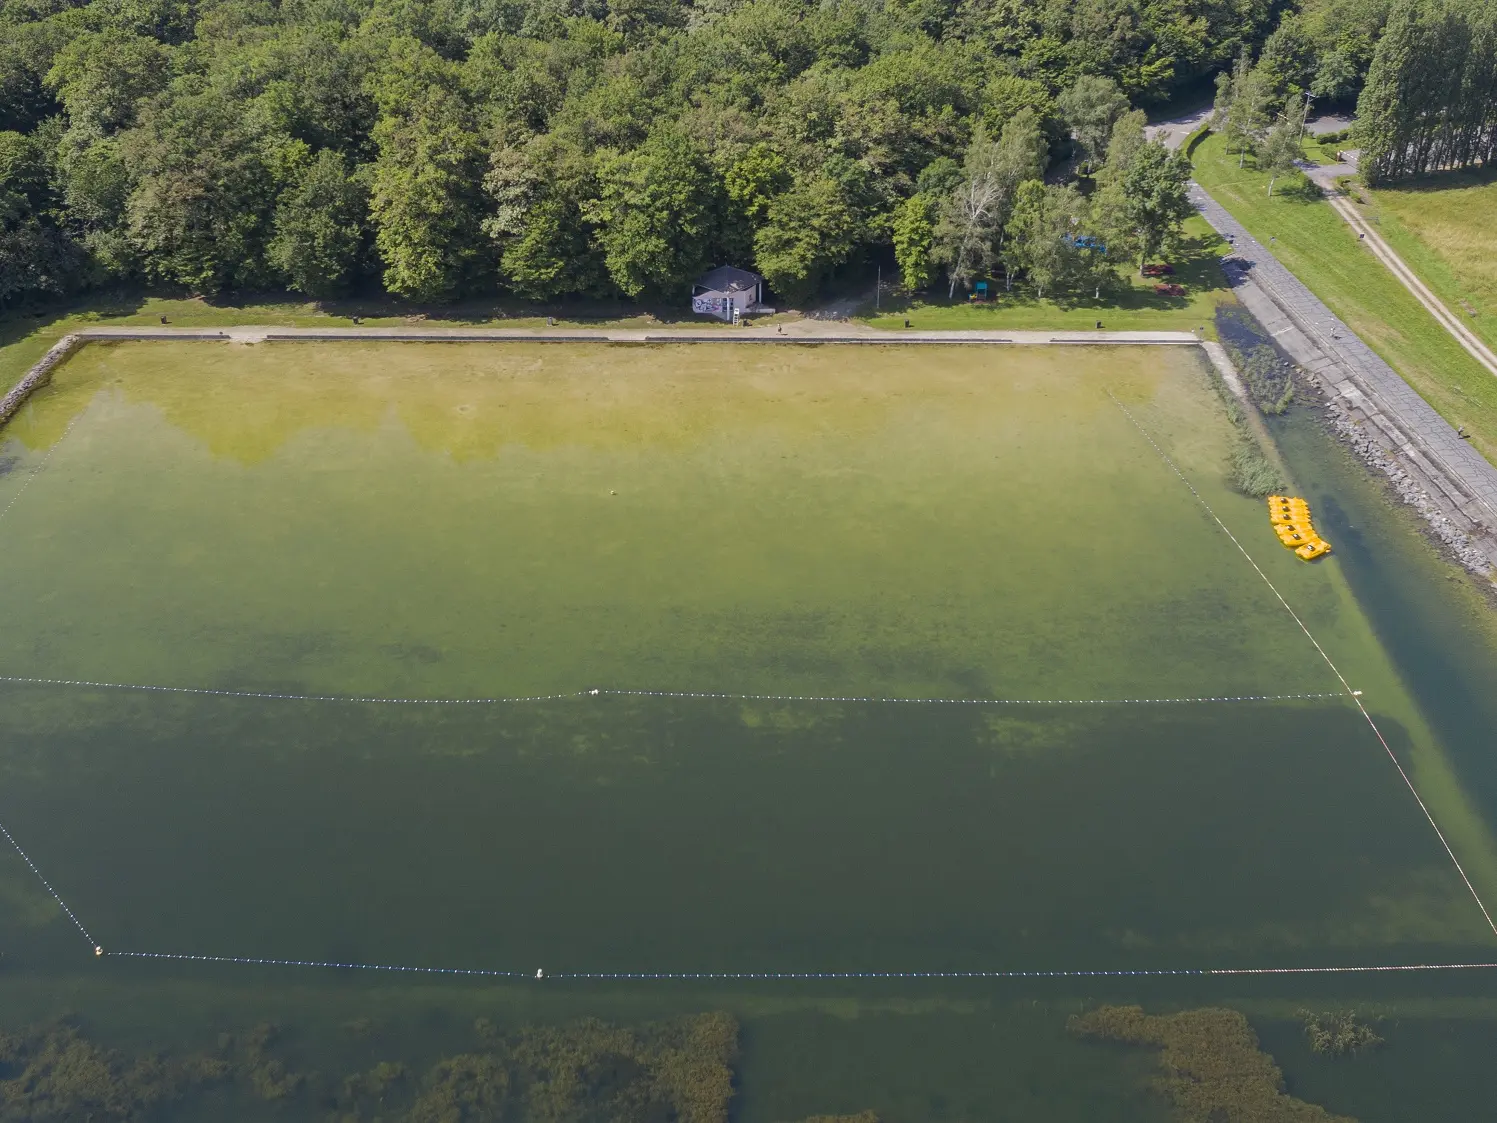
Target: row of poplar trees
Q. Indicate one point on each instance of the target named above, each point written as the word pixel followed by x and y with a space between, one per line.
pixel 1430 102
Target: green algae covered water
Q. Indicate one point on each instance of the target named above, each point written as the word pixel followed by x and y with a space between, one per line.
pixel 775 684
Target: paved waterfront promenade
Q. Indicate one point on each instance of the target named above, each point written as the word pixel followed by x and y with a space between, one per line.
pixel 800 331
pixel 1367 384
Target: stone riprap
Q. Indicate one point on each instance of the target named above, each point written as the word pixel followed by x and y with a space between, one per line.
pixel 1383 419
pixel 37 376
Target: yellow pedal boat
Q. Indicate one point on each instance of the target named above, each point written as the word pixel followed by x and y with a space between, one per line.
pixel 1289 515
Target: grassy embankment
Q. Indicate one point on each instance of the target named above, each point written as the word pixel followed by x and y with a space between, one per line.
pixel 1323 251
pixel 1445 228
pixel 1136 307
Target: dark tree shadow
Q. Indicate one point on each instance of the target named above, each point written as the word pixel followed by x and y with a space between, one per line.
pixel 1302 190
pixel 18 323
pixel 1445 181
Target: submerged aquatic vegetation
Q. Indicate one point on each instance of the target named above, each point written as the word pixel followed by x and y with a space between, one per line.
pixel 1212 1066
pixel 1337 1034
pixel 1268 376
pixel 679 1069
pixel 1269 379
pixel 55 1072
pixel 1252 472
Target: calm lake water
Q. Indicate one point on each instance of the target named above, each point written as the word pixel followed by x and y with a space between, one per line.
pixel 880 640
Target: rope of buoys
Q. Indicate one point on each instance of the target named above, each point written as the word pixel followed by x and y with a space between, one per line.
pixel 47 885
pixel 42 463
pixel 728 976
pixel 594 692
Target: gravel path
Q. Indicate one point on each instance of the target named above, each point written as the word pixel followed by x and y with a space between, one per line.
pixel 1325 177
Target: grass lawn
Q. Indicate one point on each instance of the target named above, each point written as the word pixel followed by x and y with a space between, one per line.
pixel 1323 251
pixel 1445 227
pixel 1134 308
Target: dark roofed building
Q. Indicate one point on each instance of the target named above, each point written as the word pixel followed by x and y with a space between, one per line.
pixel 727 292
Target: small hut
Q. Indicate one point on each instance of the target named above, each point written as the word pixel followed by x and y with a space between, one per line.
pixel 728 293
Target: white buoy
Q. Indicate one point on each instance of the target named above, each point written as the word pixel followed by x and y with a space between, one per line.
pixel 98 950
pixel 593 692
pixel 539 974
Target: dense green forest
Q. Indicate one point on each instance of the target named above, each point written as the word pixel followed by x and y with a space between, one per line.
pixel 541 148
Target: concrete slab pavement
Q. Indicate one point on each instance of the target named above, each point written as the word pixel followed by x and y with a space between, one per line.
pixel 1405 426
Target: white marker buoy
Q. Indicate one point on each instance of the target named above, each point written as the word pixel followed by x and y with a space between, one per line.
pixel 539 974
pixel 98 950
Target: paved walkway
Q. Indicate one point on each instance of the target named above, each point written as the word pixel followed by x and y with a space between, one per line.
pixel 1426 433
pixel 1174 131
pixel 1325 177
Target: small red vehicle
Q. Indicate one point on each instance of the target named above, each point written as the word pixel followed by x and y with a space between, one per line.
pixel 1170 290
pixel 1160 270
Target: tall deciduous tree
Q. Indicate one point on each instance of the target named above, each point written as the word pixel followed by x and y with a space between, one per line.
pixel 970 229
pixel 1283 148
pixel 809 231
pixel 1155 198
pixel 1221 105
pixel 199 214
pixel 1089 106
pixel 319 227
pixel 35 258
pixel 538 191
pixel 101 77
pixel 1248 110
pixel 914 231
pixel 658 215
pixel 1042 234
pixel 424 198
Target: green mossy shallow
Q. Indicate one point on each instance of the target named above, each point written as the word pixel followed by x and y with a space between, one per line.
pixel 974 524
pixel 505 520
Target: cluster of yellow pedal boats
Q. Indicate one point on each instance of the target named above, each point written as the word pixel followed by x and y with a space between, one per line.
pixel 1290 517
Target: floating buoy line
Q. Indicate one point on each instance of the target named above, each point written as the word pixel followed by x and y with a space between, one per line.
pixel 601 691
pixel 731 976
pixel 542 974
